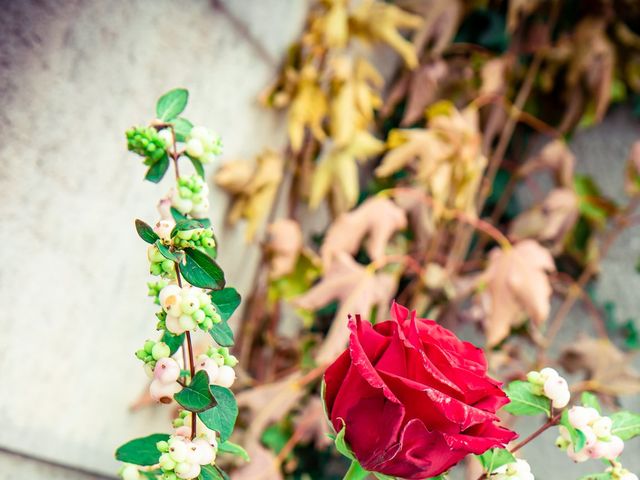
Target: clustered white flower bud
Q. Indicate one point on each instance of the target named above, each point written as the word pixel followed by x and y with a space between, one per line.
pixel 183 458
pixel 218 364
pixel 204 145
pixel 599 442
pixel 187 308
pixel 165 380
pixel 549 383
pixel 191 196
pixel 519 470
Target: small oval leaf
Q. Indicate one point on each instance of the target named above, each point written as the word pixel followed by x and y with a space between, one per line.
pixel 145 232
pixel 171 104
pixel 200 270
pixel 141 451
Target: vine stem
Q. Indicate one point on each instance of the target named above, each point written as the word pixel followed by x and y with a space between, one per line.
pixel 554 420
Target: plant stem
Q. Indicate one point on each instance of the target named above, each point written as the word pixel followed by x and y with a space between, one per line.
pixel 550 423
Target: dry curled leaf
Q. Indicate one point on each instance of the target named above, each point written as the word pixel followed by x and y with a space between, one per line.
pixel 515 286
pixel 253 199
pixel 423 89
pixel 357 288
pixel 556 157
pixel 447 156
pixel 338 170
pixel 377 219
pixel 378 21
pixel 311 424
pixel 284 245
pixel 608 370
pixel 550 221
pixel 264 464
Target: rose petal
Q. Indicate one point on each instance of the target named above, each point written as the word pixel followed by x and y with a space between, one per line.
pixel 334 378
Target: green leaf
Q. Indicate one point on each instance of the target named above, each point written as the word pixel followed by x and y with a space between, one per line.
pixel 197 165
pixel 524 401
pixel 209 472
pixel 152 475
pixel 597 476
pixel 495 458
pixel 341 444
pixel 196 397
pixel 145 232
pixel 356 472
pixel 168 254
pixel 186 224
pixel 173 341
pixel 222 334
pixel 578 438
pixel 588 399
pixel 157 170
pixel 181 127
pixel 382 476
pixel 226 301
pixel 222 417
pixel 171 104
pixel 233 449
pixel 626 424
pixel 200 270
pixel 177 216
pixel 141 451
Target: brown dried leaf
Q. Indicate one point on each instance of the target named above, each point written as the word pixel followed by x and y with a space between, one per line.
pixel 357 288
pixel 377 219
pixel 284 245
pixel 556 157
pixel 493 76
pixel 253 199
pixel 423 90
pixel 550 221
pixel 608 369
pixel 312 424
pixel 263 465
pixel 516 287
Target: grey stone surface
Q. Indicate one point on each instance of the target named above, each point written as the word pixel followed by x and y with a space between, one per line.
pixel 75 75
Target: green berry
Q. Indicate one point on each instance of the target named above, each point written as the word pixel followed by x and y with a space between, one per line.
pixel 155 269
pixel 160 350
pixel 162 446
pixel 199 316
pixel 148 346
pixel 167 265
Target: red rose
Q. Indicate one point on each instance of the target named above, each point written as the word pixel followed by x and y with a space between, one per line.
pixel 413 397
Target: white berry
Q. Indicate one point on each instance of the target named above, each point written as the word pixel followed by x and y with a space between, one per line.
pixel 195 148
pixel 226 376
pixel 130 472
pixel 163 392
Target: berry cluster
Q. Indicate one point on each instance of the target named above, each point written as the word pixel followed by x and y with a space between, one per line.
pixel 599 442
pixel 148 143
pixel 183 458
pixel 191 196
pixel 165 380
pixel 154 289
pixel 152 352
pixel 203 145
pixel 163 229
pixel 218 364
pixel 196 237
pixel 159 265
pixel 549 383
pixel 182 424
pixel 518 470
pixel 187 308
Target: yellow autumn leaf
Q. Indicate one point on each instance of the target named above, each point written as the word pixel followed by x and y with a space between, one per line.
pixel 308 108
pixel 378 21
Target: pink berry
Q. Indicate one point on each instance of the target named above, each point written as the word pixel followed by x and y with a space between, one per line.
pixel 209 366
pixel 613 448
pixel 578 457
pixel 173 325
pixel 167 370
pixel 204 452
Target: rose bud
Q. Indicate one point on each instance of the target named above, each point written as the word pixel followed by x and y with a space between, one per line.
pixel 412 397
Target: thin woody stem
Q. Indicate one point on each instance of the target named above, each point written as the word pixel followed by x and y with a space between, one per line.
pixel 550 423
